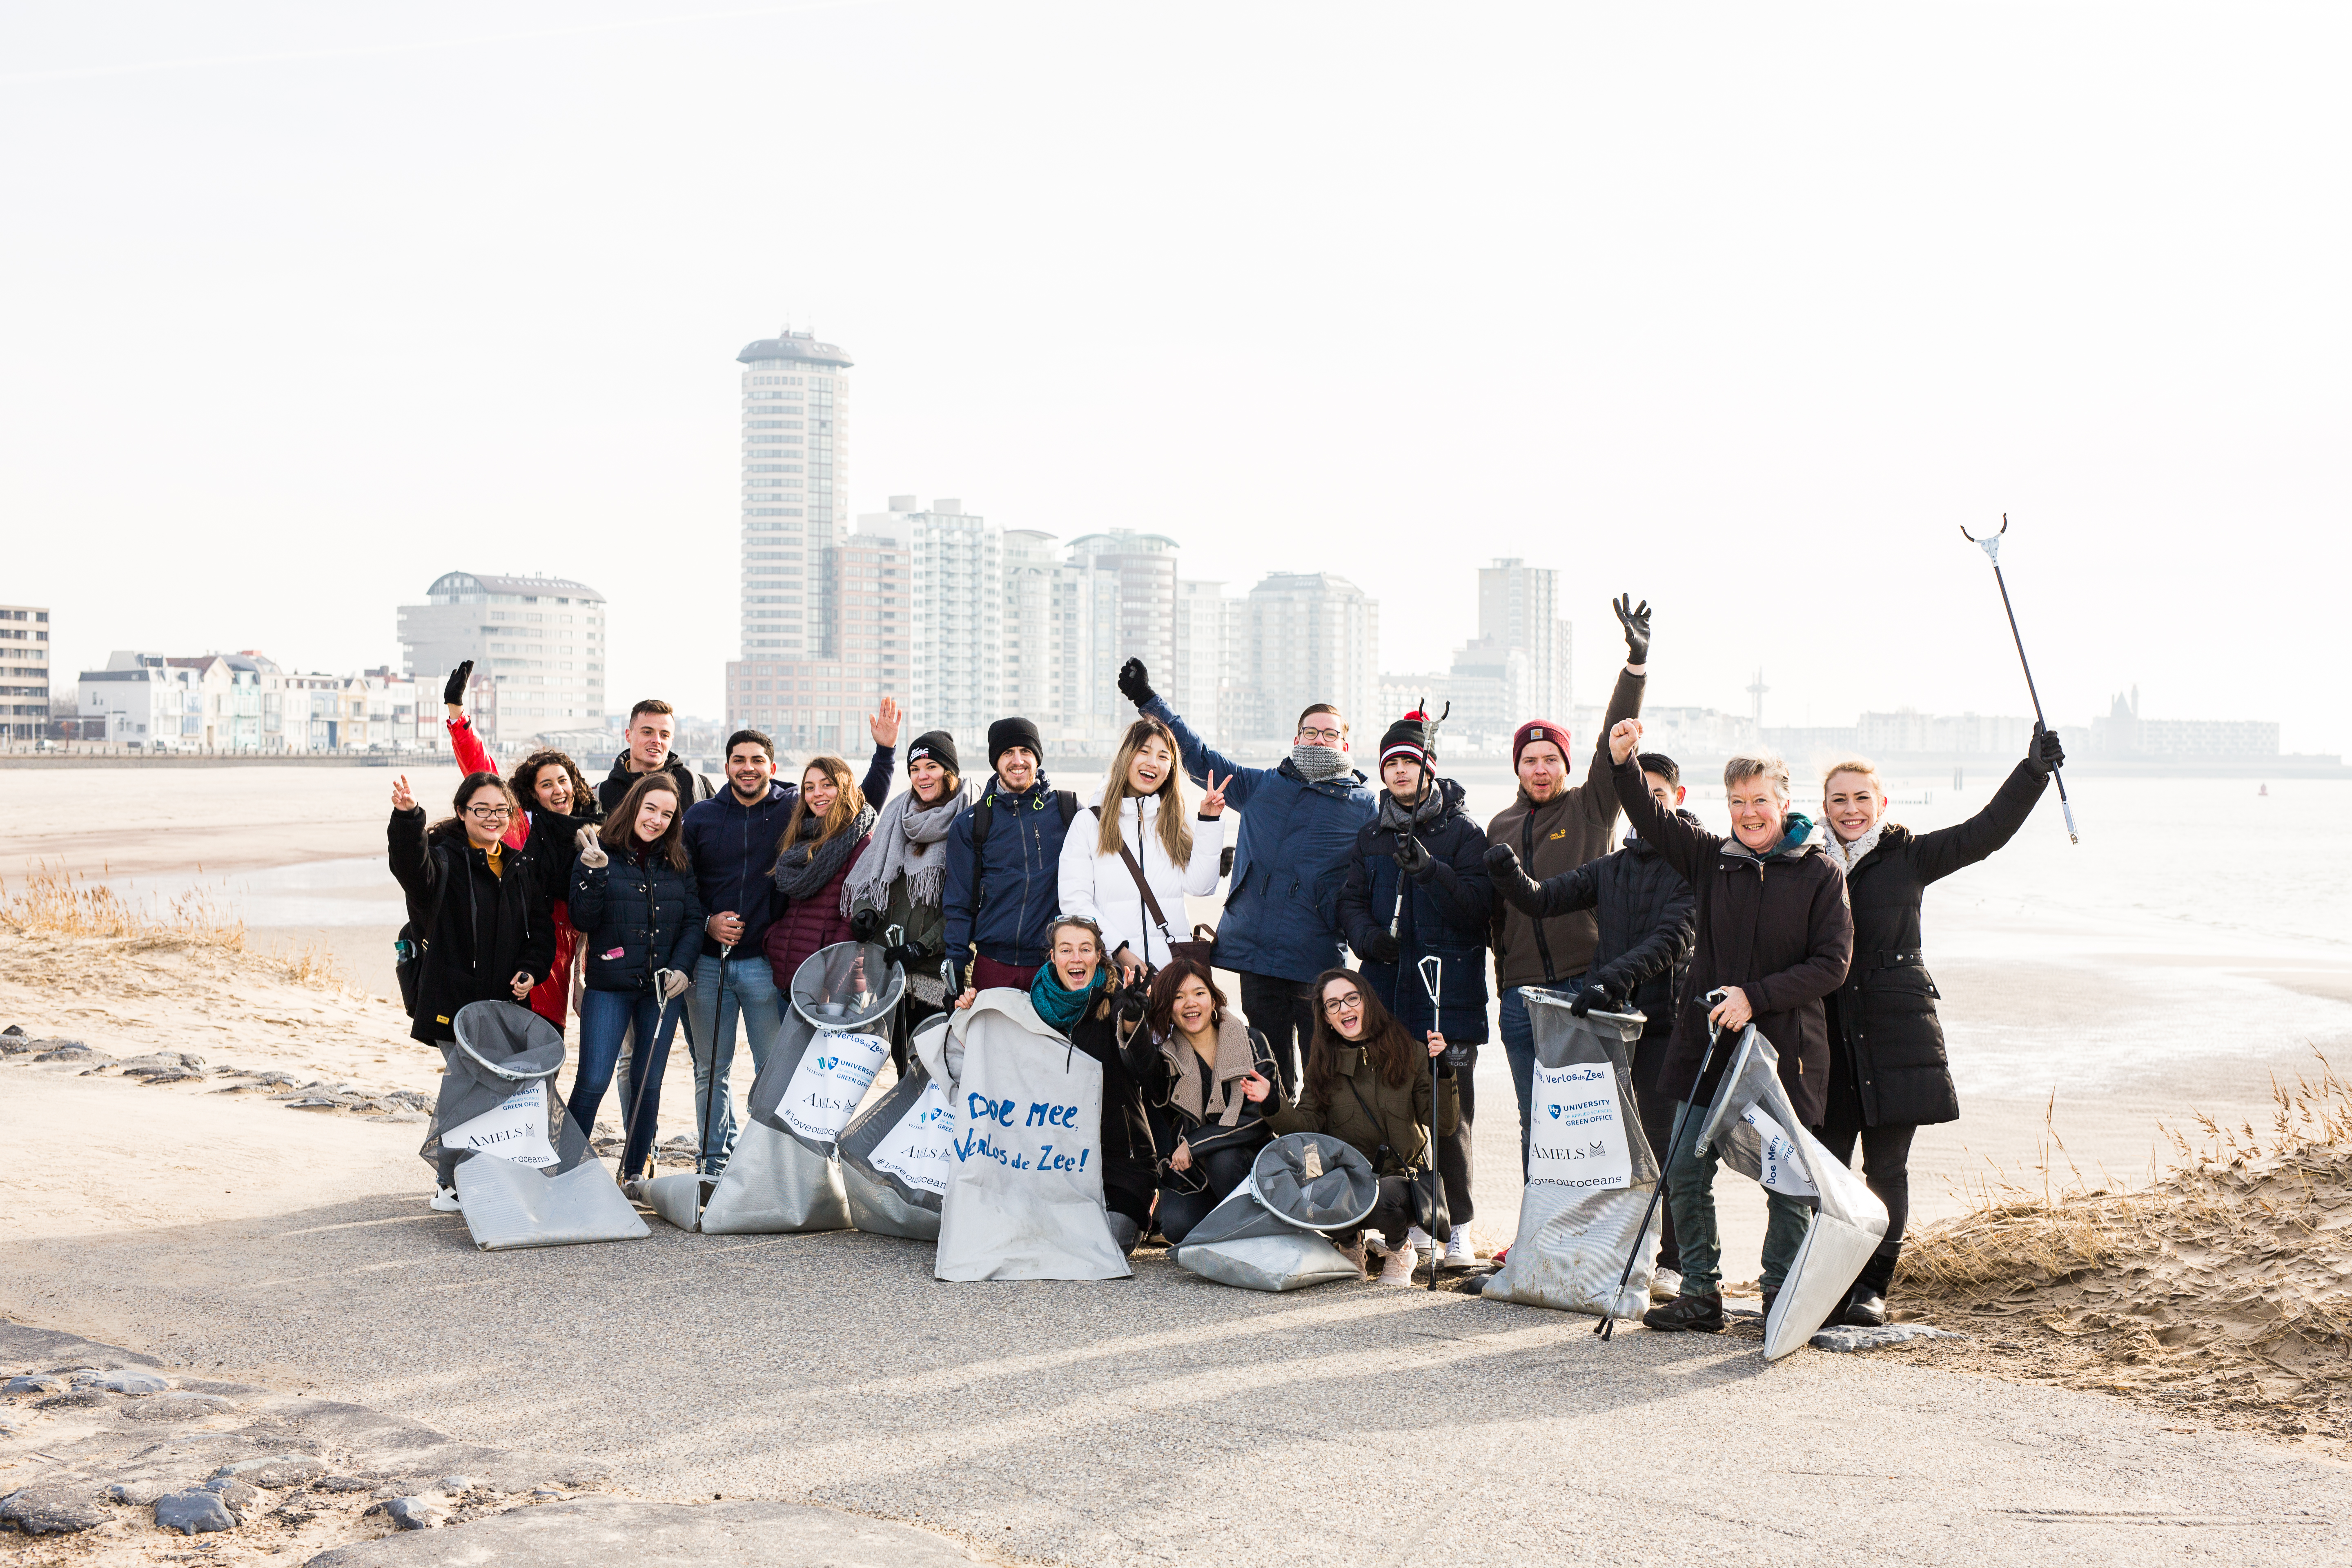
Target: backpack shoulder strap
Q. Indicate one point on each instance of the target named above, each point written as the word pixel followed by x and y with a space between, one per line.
pixel 1068 803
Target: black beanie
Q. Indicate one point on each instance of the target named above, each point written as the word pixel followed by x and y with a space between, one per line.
pixel 1007 734
pixel 1409 736
pixel 939 746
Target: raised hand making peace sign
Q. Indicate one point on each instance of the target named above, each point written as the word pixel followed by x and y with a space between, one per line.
pixel 1212 799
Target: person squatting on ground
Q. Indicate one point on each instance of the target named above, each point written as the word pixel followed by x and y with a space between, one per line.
pixel 1888 1075
pixel 651 726
pixel 734 839
pixel 1555 826
pixel 1134 855
pixel 1205 1075
pixel 1368 1084
pixel 478 907
pixel 897 889
pixel 1641 913
pixel 827 829
pixel 1299 822
pixel 1004 860
pixel 641 926
pixel 1076 994
pixel 556 803
pixel 1773 934
pixel 1417 888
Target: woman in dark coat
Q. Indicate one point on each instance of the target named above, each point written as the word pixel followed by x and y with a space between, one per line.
pixel 1888 1074
pixel 1421 842
pixel 1205 1074
pixel 635 904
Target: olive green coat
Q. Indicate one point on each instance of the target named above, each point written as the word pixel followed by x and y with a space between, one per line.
pixel 1399 1115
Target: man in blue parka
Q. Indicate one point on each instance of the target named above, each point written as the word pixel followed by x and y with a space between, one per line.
pixel 1299 821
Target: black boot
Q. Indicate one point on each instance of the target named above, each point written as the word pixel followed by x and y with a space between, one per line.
pixel 1691 1314
pixel 1866 1304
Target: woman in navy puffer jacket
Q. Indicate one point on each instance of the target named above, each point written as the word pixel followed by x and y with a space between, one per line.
pixel 640 923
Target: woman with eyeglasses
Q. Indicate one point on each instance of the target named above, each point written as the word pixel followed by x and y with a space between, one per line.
pixel 1367 1084
pixel 478 904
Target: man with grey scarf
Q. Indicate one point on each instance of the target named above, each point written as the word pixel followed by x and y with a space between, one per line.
pixel 897 891
pixel 1299 822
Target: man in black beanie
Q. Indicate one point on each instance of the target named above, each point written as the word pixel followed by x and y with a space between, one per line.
pixel 1004 860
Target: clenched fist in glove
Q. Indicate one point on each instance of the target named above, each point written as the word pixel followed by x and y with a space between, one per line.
pixel 1521 891
pixel 1600 996
pixel 1383 949
pixel 2046 755
pixel 1135 682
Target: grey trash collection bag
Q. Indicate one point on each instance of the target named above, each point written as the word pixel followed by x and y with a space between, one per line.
pixel 782 1175
pixel 895 1153
pixel 1274 1231
pixel 1759 1134
pixel 1590 1170
pixel 521 1165
pixel 1024 1191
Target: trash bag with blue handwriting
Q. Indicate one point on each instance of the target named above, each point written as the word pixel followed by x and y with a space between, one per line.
pixel 782 1175
pixel 1590 1170
pixel 896 1152
pixel 1025 1190
pixel 501 1137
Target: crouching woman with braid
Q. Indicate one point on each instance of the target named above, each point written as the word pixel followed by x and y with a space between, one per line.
pixel 1367 1084
pixel 1889 1073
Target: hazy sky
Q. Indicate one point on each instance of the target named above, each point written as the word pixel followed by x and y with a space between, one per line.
pixel 1742 307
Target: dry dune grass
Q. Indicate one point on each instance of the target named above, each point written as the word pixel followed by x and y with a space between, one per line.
pixel 2221 1289
pixel 55 902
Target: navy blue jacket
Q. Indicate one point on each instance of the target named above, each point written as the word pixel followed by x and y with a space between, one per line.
pixel 734 848
pixel 1018 873
pixel 1445 912
pixel 1281 915
pixel 634 914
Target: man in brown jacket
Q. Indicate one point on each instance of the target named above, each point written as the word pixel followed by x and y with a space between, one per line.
pixel 1555 826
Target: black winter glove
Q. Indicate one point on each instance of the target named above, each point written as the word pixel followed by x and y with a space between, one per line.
pixel 1599 996
pixel 1518 890
pixel 1411 858
pixel 1636 623
pixel 1225 861
pixel 1383 948
pixel 906 956
pixel 2046 755
pixel 1135 682
pixel 865 924
pixel 453 690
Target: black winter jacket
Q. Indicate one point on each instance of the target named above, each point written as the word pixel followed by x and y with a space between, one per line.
pixel 1013 876
pixel 1884 1017
pixel 1155 1076
pixel 480 928
pixel 1446 911
pixel 615 786
pixel 1646 914
pixel 1777 926
pixel 1131 1164
pixel 634 914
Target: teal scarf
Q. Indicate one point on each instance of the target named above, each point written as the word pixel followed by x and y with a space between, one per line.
pixel 1057 1003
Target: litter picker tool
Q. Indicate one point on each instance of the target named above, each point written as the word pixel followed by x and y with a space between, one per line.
pixel 710 1084
pixel 1433 980
pixel 1607 1327
pixel 1428 777
pixel 1990 545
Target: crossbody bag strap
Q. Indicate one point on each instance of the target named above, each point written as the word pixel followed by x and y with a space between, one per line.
pixel 1142 884
pixel 1381 1131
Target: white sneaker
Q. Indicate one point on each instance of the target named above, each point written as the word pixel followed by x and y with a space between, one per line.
pixel 634 1189
pixel 1419 1239
pixel 1398 1269
pixel 1665 1285
pixel 445 1200
pixel 1459 1252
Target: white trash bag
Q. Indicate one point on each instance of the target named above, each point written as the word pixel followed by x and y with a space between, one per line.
pixel 896 1154
pixel 1024 1191
pixel 1761 1136
pixel 1591 1171
pixel 1274 1231
pixel 782 1175
pixel 522 1169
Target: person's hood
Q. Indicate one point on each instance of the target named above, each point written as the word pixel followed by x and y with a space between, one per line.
pixel 1641 846
pixel 1006 794
pixel 1797 839
pixel 725 797
pixel 670 765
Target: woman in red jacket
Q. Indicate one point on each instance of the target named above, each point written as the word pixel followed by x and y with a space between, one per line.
pixel 556 803
pixel 823 837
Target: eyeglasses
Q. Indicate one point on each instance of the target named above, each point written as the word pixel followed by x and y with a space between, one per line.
pixel 1320 737
pixel 1352 1001
pixel 489 813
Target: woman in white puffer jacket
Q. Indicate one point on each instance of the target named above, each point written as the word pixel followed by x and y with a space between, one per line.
pixel 1140 809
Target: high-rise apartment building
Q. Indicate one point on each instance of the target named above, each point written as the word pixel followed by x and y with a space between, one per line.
pixel 24 671
pixel 1311 638
pixel 1518 608
pixel 957 563
pixel 1204 667
pixel 538 643
pixel 795 492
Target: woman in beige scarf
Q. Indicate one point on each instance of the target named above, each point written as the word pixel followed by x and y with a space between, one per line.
pixel 1207 1078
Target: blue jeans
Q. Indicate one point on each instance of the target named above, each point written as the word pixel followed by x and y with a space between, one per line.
pixel 751 995
pixel 606 1020
pixel 1519 1051
pixel 1690 1193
